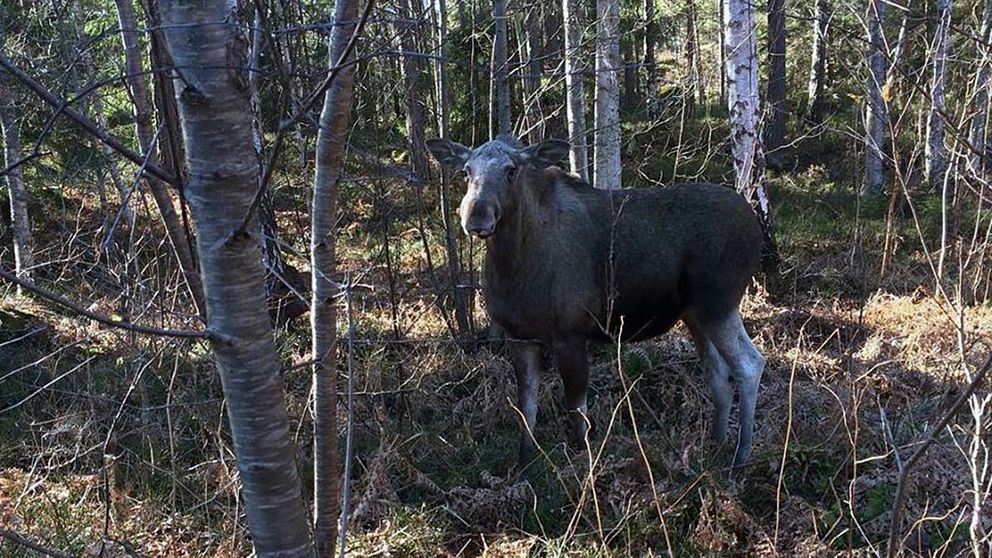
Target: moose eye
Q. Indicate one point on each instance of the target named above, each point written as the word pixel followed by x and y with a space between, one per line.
pixel 511 173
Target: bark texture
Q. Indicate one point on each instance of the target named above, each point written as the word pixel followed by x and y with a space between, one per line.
pixel 145 131
pixel 501 123
pixel 206 42
pixel 818 64
pixel 578 156
pixel 650 67
pixel 978 132
pixel 694 83
pixel 778 110
pixel 877 110
pixel 606 165
pixel 745 114
pixel 936 152
pixel 331 139
pixel 412 70
pixel 18 194
pixel 532 77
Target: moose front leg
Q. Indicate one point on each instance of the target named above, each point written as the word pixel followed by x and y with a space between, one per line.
pixel 526 359
pixel 573 365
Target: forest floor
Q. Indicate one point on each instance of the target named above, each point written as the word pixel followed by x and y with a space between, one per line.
pixel 859 367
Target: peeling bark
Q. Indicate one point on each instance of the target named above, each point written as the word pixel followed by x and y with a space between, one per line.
pixel 206 41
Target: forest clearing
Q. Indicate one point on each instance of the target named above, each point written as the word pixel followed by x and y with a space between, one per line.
pixel 237 294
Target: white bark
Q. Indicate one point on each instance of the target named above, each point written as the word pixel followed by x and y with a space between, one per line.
pixel 574 92
pixel 877 112
pixel 606 164
pixel 936 152
pixel 745 112
pixel 18 194
pixel 331 139
pixel 205 41
pixel 980 121
pixel 818 64
pixel 651 68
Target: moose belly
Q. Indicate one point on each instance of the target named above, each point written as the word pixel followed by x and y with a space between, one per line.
pixel 635 318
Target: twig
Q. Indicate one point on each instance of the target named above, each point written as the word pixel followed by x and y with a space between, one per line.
pixel 17 539
pixel 349 429
pixel 84 123
pixel 898 502
pixel 23 160
pixel 137 328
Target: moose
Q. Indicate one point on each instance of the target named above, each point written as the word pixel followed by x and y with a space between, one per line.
pixel 567 263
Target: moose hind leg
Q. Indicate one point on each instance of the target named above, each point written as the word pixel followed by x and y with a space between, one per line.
pixel 526 359
pixel 718 374
pixel 573 365
pixel 746 366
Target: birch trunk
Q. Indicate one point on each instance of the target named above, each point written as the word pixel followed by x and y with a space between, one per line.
pixel 204 40
pixel 818 64
pixel 532 79
pixel 331 139
pixel 936 152
pixel 18 194
pixel 877 111
pixel 412 71
pixel 606 165
pixel 650 67
pixel 694 84
pixel 145 131
pixel 777 108
pixel 575 105
pixel 745 114
pixel 501 123
pixel 977 134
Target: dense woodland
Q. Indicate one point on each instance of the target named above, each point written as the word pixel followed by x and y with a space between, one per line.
pixel 235 297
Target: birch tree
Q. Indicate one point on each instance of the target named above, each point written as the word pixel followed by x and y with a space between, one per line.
pixel 331 139
pixel 777 107
pixel 206 44
pixel 818 65
pixel 606 165
pixel 574 91
pixel 694 65
pixel 17 192
pixel 977 134
pixel 745 114
pixel 650 66
pixel 532 77
pixel 412 70
pixel 935 151
pixel 877 112
pixel 500 122
pixel 145 130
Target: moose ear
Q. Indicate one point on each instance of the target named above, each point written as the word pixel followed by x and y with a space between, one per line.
pixel 448 153
pixel 548 152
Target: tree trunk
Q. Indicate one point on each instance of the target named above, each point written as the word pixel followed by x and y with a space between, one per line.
pixel 501 123
pixel 18 194
pixel 532 79
pixel 205 42
pixel 978 160
pixel 145 131
pixel 693 83
pixel 606 165
pixel 936 152
pixel 629 61
pixel 459 300
pixel 818 64
pixel 411 67
pixel 331 140
pixel 574 91
pixel 723 50
pixel 877 111
pixel 745 115
pixel 651 69
pixel 778 109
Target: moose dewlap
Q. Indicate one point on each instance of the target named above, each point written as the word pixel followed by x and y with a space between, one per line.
pixel 566 263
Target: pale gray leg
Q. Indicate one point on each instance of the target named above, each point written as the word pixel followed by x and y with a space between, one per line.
pixel 526 359
pixel 718 374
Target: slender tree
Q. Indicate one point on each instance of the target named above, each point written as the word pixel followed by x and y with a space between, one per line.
pixel 145 131
pixel 18 194
pixel 936 152
pixel 877 111
pixel 574 91
pixel 331 139
pixel 745 115
pixel 216 116
pixel 818 65
pixel 412 70
pixel 978 132
pixel 650 66
pixel 606 165
pixel 532 77
pixel 694 77
pixel 777 102
pixel 500 122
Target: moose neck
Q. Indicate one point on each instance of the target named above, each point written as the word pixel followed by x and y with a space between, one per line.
pixel 509 246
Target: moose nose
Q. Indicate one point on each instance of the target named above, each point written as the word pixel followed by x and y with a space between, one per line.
pixel 479 231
